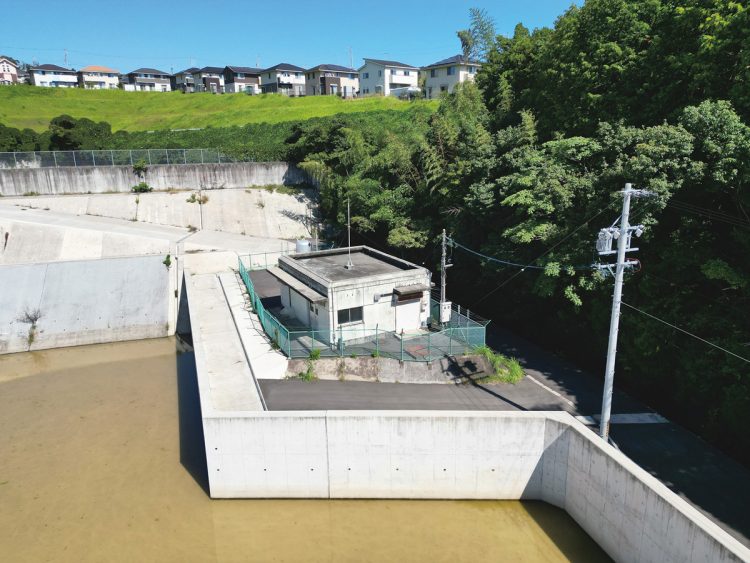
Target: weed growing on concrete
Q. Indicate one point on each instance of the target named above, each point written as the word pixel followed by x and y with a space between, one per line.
pixel 375 354
pixel 30 194
pixel 203 199
pixel 167 261
pixel 340 367
pixel 31 316
pixel 141 187
pixel 314 355
pixel 261 204
pixel 506 370
pixel 192 228
pixel 309 373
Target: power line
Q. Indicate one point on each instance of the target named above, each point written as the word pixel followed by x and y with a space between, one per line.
pixel 550 249
pixel 686 332
pixel 711 215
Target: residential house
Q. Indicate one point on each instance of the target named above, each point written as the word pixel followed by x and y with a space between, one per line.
pixel 331 80
pixel 148 80
pixel 387 77
pixel 283 78
pixel 183 81
pixel 443 76
pixel 242 79
pixel 98 78
pixel 53 76
pixel 209 79
pixel 8 70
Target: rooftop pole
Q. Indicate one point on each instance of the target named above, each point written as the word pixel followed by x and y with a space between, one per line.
pixel 349 264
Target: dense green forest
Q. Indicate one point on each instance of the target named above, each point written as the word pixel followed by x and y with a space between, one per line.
pixel 527 166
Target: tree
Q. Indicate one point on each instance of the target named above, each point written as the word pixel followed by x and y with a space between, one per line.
pixel 479 39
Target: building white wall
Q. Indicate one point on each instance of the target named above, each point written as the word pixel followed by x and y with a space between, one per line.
pixel 52 79
pixel 375 78
pixel 434 84
pixel 99 80
pixel 296 78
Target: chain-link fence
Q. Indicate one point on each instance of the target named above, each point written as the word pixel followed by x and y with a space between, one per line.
pixel 53 159
pixel 459 336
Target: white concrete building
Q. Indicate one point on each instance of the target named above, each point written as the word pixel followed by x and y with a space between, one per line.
pixel 53 76
pixel 333 80
pixel 283 78
pixel 443 76
pixel 98 78
pixel 8 71
pixel 379 292
pixel 381 77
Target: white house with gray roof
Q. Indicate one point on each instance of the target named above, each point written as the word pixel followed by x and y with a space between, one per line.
pixel 283 78
pixel 383 77
pixel 53 76
pixel 443 76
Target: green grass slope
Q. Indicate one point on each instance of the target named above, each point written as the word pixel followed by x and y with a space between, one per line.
pixel 32 107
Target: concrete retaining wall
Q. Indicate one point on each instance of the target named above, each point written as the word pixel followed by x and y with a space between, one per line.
pixel 499 455
pixel 387 370
pixel 252 212
pixel 71 180
pixel 84 302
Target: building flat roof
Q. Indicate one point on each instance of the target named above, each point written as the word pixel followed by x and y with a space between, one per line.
pixel 330 265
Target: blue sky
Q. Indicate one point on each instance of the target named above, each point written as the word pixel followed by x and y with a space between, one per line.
pixel 171 35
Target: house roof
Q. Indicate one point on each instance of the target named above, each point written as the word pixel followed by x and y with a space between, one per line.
pixel 335 68
pixel 245 69
pixel 390 63
pixel 210 69
pixel 53 67
pixel 190 70
pixel 284 66
pixel 95 68
pixel 9 59
pixel 455 60
pixel 148 71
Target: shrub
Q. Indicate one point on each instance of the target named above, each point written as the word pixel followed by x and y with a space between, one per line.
pixel 141 187
pixel 506 370
pixel 315 354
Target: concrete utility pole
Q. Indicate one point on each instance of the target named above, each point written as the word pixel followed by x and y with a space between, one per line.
pixel 623 235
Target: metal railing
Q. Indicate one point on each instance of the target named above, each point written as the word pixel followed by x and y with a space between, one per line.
pixel 459 337
pixel 89 158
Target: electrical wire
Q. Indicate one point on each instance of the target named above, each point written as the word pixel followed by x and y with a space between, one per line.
pixel 711 215
pixel 686 332
pixel 506 263
pixel 550 249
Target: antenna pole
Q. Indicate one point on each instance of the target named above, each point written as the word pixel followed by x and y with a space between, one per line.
pixel 349 264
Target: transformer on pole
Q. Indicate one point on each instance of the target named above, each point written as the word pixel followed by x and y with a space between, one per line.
pixel 623 235
pixel 445 305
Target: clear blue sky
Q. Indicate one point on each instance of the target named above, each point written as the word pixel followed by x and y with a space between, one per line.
pixel 170 36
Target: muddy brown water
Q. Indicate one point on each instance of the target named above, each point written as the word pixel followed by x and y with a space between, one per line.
pixel 101 460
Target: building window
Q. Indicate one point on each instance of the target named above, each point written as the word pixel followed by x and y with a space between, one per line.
pixel 365 75
pixel 472 70
pixel 380 73
pixel 451 70
pixel 433 73
pixel 351 75
pixel 353 315
pixel 406 73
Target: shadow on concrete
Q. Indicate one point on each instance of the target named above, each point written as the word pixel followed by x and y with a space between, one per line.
pixel 572 540
pixel 192 443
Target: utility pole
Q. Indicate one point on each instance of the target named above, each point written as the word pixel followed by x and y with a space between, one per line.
pixel 623 235
pixel 445 306
pixel 351 58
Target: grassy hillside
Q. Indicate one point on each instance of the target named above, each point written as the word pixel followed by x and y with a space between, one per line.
pixel 28 106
